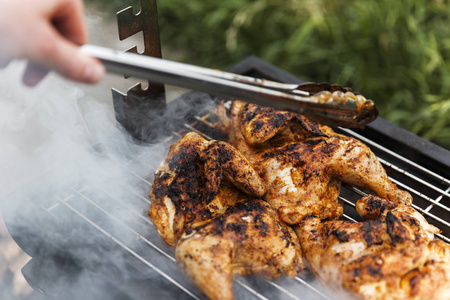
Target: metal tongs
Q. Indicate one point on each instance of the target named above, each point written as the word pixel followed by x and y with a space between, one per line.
pixel 322 102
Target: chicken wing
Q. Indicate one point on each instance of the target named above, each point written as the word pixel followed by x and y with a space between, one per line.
pixel 392 256
pixel 204 200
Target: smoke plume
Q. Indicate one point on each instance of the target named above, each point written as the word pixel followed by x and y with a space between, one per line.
pixel 73 191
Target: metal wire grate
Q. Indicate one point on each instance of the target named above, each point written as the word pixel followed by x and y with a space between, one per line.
pixel 140 240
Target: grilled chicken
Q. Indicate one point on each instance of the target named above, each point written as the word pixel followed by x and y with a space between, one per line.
pixel 184 190
pixel 391 256
pixel 302 162
pixel 247 239
pixel 204 200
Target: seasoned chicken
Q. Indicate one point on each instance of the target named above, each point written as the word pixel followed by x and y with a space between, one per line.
pixel 392 256
pixel 302 162
pixel 184 190
pixel 247 239
pixel 204 200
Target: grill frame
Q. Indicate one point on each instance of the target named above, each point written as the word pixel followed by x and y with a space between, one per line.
pixel 419 150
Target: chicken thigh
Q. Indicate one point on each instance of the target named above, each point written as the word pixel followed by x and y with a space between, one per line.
pixel 392 256
pixel 247 239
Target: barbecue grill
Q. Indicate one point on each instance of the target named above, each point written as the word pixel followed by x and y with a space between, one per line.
pixel 129 260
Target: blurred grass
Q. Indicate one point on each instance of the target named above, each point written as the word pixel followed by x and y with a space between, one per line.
pixel 393 52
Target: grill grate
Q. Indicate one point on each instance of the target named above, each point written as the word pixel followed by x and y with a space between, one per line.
pixel 246 287
pixel 120 227
pixel 156 256
pixel 256 288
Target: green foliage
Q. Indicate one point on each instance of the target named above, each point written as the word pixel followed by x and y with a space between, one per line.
pixel 393 52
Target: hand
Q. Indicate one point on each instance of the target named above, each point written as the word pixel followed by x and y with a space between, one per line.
pixel 47 33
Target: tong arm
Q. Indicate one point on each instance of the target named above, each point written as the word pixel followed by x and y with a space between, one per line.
pixel 329 104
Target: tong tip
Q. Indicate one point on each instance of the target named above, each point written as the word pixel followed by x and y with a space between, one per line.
pixel 344 107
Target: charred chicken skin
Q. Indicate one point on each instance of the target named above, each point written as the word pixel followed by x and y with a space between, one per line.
pixel 302 162
pixel 184 190
pixel 247 239
pixel 204 200
pixel 391 256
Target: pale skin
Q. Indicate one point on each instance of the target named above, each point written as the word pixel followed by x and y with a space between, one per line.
pixel 47 33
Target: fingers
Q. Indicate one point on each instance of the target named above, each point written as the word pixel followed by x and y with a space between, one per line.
pixel 34 73
pixel 68 19
pixel 68 29
pixel 54 52
pixel 49 38
pixel 71 63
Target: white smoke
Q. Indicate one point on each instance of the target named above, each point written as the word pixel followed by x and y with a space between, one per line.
pixel 74 189
pixel 62 152
pixel 60 147
pixel 59 143
pixel 39 128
